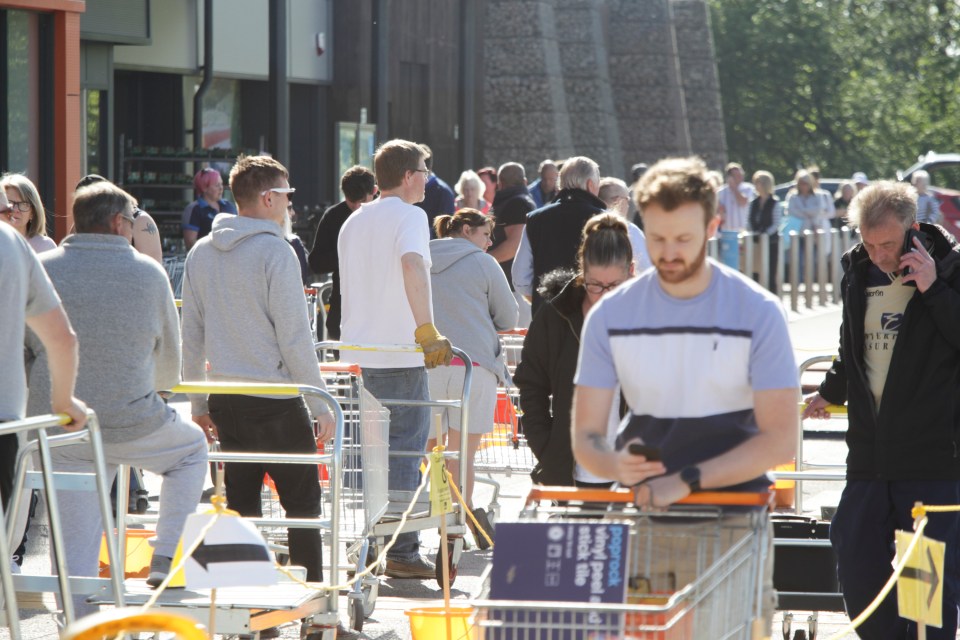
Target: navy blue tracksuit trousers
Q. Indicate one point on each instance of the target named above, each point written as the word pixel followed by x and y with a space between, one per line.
pixel 862 534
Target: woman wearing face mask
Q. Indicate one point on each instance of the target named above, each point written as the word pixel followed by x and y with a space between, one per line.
pixel 26 213
pixel 549 357
pixel 471 303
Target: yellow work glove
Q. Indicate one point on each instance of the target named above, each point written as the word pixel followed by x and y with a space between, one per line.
pixel 436 348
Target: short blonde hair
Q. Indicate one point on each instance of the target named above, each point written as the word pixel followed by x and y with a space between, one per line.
pixel 37 225
pixel 394 159
pixel 469 177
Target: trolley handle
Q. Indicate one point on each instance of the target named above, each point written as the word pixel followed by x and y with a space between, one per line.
pixel 519 331
pixel 832 409
pixel 340 367
pixel 625 496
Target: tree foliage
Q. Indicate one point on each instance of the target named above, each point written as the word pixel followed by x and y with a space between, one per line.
pixel 850 85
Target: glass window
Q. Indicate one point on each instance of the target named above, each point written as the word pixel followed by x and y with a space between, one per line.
pixel 22 94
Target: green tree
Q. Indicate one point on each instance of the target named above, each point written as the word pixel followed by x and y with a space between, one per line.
pixel 855 85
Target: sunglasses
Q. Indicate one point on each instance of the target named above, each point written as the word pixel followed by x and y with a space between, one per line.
pixel 278 190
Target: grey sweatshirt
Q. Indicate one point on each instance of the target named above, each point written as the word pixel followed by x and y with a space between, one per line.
pixel 244 310
pixel 471 300
pixel 121 306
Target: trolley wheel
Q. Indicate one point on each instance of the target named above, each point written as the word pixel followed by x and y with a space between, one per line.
pixel 451 547
pixel 370 592
pixel 357 615
pixel 141 506
pixel 799 634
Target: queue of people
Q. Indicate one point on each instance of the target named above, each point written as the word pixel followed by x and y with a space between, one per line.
pixel 645 363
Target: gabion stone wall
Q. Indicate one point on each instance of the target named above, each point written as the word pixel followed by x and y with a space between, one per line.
pixel 621 81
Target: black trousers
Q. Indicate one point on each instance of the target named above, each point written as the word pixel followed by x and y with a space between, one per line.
pixel 268 425
pixel 8 460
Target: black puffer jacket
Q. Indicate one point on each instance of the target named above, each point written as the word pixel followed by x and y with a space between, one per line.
pixel 915 434
pixel 548 364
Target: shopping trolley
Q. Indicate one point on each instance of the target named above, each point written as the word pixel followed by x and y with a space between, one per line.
pixel 15 586
pixel 245 609
pixel 363 491
pixel 505 450
pixel 697 570
pixel 386 522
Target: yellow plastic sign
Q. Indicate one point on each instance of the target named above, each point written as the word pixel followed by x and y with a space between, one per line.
pixel 440 499
pixel 920 586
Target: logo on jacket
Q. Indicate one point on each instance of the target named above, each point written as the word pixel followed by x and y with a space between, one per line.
pixel 891 321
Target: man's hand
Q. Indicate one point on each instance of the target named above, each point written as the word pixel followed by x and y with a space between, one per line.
pixel 923 270
pixel 209 429
pixel 661 492
pixel 326 427
pixel 630 469
pixel 436 349
pixel 77 411
pixel 816 407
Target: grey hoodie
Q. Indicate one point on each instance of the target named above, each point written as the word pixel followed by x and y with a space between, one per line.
pixel 244 310
pixel 471 300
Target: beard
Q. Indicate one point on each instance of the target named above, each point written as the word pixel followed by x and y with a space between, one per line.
pixel 687 271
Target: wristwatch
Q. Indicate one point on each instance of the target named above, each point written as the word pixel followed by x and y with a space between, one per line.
pixel 691 477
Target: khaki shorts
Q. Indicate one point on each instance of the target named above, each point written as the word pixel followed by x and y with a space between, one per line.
pixel 446 383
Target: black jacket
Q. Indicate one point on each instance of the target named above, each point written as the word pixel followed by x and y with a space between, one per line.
pixel 548 363
pixel 914 434
pixel 325 259
pixel 510 206
pixel 554 232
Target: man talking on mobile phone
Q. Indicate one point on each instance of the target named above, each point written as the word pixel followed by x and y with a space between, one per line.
pixel 898 369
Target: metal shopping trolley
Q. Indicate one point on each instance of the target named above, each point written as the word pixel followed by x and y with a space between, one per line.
pixel 504 450
pixel 384 527
pixel 245 610
pixel 694 571
pixel 363 492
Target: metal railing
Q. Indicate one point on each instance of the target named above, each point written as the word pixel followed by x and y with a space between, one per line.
pixel 804 266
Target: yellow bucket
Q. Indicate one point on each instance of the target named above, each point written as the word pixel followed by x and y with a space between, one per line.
pixel 437 623
pixel 138 555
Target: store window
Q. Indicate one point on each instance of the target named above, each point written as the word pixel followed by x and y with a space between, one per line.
pixel 22 64
pixel 95 131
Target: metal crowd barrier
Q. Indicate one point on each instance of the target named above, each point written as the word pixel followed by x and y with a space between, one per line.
pixel 807 264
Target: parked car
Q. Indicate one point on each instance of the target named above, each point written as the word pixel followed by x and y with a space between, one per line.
pixel 944 170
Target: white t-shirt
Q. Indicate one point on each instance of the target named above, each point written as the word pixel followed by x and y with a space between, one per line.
pixel 374 301
pixel 735 215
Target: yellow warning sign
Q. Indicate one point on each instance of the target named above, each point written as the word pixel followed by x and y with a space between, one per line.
pixel 440 500
pixel 920 587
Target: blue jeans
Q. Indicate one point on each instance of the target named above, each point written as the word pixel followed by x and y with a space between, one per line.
pixel 862 533
pixel 409 428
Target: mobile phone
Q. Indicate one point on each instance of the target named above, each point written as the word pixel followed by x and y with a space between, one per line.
pixel 908 243
pixel 652 454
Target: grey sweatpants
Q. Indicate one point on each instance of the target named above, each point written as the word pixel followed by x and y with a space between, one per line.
pixel 177 451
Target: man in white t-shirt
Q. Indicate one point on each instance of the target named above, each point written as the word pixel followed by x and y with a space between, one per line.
pixel 384 256
pixel 733 199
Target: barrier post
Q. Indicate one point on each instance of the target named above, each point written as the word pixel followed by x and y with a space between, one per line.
pixel 836 273
pixel 765 263
pixel 746 241
pixel 823 246
pixel 795 270
pixel 808 240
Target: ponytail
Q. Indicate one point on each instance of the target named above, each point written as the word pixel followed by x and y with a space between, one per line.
pixel 606 242
pixel 447 226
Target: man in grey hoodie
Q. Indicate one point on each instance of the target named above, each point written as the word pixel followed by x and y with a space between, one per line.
pixel 244 313
pixel 121 306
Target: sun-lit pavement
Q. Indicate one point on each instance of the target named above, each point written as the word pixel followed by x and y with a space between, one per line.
pixel 814 332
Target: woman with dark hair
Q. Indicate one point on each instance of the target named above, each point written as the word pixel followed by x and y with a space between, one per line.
pixel 471 303
pixel 208 186
pixel 549 357
pixel 26 213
